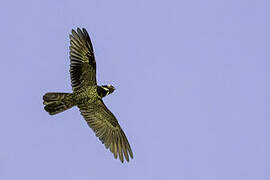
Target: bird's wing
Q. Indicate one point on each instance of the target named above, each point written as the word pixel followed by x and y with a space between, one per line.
pixel 82 60
pixel 106 128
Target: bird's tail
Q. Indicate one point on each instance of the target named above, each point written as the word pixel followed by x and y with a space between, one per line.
pixel 57 102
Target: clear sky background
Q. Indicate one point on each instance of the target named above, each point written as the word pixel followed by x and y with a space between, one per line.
pixel 192 89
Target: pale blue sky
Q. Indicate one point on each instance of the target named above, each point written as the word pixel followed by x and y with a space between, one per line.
pixel 192 89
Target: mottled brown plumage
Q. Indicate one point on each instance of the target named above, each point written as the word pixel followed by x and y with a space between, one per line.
pixel 87 95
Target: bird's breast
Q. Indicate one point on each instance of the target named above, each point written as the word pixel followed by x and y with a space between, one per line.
pixel 84 95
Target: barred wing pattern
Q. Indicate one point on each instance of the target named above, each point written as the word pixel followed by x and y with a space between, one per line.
pixel 106 128
pixel 82 60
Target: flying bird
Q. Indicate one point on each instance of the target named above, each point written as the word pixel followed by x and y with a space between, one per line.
pixel 87 95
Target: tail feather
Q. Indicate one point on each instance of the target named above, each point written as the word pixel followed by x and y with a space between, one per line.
pixel 57 102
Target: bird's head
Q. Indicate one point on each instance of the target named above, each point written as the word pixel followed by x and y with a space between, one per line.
pixel 109 89
pixel 105 90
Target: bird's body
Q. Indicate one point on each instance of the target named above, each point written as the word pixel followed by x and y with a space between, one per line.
pixel 87 95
